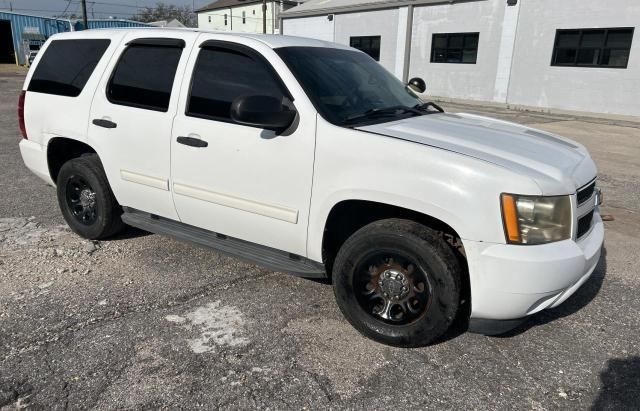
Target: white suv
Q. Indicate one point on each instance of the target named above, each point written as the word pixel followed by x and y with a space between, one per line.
pixel 308 157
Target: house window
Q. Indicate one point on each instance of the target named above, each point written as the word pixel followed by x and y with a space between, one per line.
pixel 225 19
pixel 209 19
pixel 368 44
pixel 254 11
pixel 244 17
pixel 458 48
pixel 593 47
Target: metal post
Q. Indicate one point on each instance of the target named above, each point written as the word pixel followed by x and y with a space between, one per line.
pixel 84 14
pixel 264 16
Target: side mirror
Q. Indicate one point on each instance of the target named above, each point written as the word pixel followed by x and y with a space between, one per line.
pixel 263 112
pixel 417 84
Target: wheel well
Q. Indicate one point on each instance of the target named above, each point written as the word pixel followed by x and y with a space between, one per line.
pixel 60 150
pixel 349 216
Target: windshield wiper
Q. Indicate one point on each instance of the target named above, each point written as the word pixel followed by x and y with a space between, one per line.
pixel 425 107
pixel 382 112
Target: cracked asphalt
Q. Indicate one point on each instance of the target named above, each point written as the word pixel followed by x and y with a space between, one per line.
pixel 144 321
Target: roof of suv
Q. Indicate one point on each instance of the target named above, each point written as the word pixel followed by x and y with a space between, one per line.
pixel 271 40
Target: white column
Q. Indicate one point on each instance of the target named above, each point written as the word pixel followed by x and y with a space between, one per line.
pixel 505 56
pixel 401 37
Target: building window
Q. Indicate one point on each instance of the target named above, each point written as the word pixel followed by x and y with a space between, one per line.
pixel 225 19
pixel 254 11
pixel 593 47
pixel 209 19
pixel 368 44
pixel 244 17
pixel 458 48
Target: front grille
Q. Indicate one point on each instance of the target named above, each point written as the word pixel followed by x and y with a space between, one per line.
pixel 586 192
pixel 584 224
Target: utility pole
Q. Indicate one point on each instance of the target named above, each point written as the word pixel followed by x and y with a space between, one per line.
pixel 84 14
pixel 264 16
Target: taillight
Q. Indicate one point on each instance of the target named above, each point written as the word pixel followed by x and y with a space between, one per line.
pixel 23 129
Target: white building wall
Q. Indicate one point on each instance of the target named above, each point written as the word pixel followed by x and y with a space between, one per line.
pixel 316 27
pixel 383 23
pixel 214 19
pixel 464 81
pixel 514 53
pixel 534 82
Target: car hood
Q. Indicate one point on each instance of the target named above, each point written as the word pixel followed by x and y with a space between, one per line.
pixel 558 165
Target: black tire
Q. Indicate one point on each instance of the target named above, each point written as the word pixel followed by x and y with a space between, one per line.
pixel 434 264
pixel 105 215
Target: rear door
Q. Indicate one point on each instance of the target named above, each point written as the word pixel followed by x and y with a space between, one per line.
pixel 132 115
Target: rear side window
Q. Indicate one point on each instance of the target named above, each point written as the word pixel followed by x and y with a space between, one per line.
pixel 66 66
pixel 144 77
pixel 221 75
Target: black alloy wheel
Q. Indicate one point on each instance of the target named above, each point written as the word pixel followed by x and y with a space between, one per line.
pixel 81 199
pixel 391 287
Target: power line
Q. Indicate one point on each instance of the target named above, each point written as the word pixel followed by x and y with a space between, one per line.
pixel 67 8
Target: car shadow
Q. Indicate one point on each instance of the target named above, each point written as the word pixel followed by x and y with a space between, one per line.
pixel 129 233
pixel 620 388
pixel 582 297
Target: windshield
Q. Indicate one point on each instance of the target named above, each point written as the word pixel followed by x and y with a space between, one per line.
pixel 348 87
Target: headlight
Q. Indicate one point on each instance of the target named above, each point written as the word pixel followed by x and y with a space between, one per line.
pixel 536 220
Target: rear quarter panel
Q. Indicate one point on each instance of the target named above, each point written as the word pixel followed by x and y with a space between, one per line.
pixel 48 116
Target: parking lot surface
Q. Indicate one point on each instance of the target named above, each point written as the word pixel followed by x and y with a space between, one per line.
pixel 144 321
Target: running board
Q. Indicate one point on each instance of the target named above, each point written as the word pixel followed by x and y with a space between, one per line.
pixel 267 257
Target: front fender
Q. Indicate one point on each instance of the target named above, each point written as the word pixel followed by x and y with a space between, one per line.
pixel 461 191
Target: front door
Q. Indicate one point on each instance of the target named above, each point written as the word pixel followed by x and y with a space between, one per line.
pixel 132 115
pixel 241 181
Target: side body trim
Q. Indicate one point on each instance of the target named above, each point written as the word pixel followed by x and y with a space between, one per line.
pixel 145 180
pixel 268 210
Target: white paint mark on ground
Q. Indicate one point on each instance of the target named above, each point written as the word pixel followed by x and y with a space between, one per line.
pixel 218 325
pixel 22 231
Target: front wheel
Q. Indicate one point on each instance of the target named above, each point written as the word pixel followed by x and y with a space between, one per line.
pixel 397 282
pixel 86 200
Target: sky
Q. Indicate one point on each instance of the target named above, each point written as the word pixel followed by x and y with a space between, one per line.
pixel 99 8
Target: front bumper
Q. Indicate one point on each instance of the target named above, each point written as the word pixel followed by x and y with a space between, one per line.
pixel 513 281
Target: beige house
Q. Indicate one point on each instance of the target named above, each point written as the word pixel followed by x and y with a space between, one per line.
pixel 243 16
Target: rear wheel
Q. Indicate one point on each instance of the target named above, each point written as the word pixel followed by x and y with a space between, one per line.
pixel 397 282
pixel 86 200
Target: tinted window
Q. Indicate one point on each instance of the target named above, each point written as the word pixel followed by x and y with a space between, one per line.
pixel 221 75
pixel 345 84
pixel 461 48
pixel 593 47
pixel 66 66
pixel 369 44
pixel 144 77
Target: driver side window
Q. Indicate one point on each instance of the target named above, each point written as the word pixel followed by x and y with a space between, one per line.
pixel 223 74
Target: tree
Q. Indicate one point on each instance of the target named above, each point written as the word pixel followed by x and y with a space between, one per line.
pixel 168 12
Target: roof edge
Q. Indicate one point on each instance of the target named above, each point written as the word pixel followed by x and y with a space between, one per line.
pixel 390 4
pixel 211 6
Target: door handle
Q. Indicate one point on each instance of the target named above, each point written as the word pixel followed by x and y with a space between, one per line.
pixel 192 141
pixel 100 122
